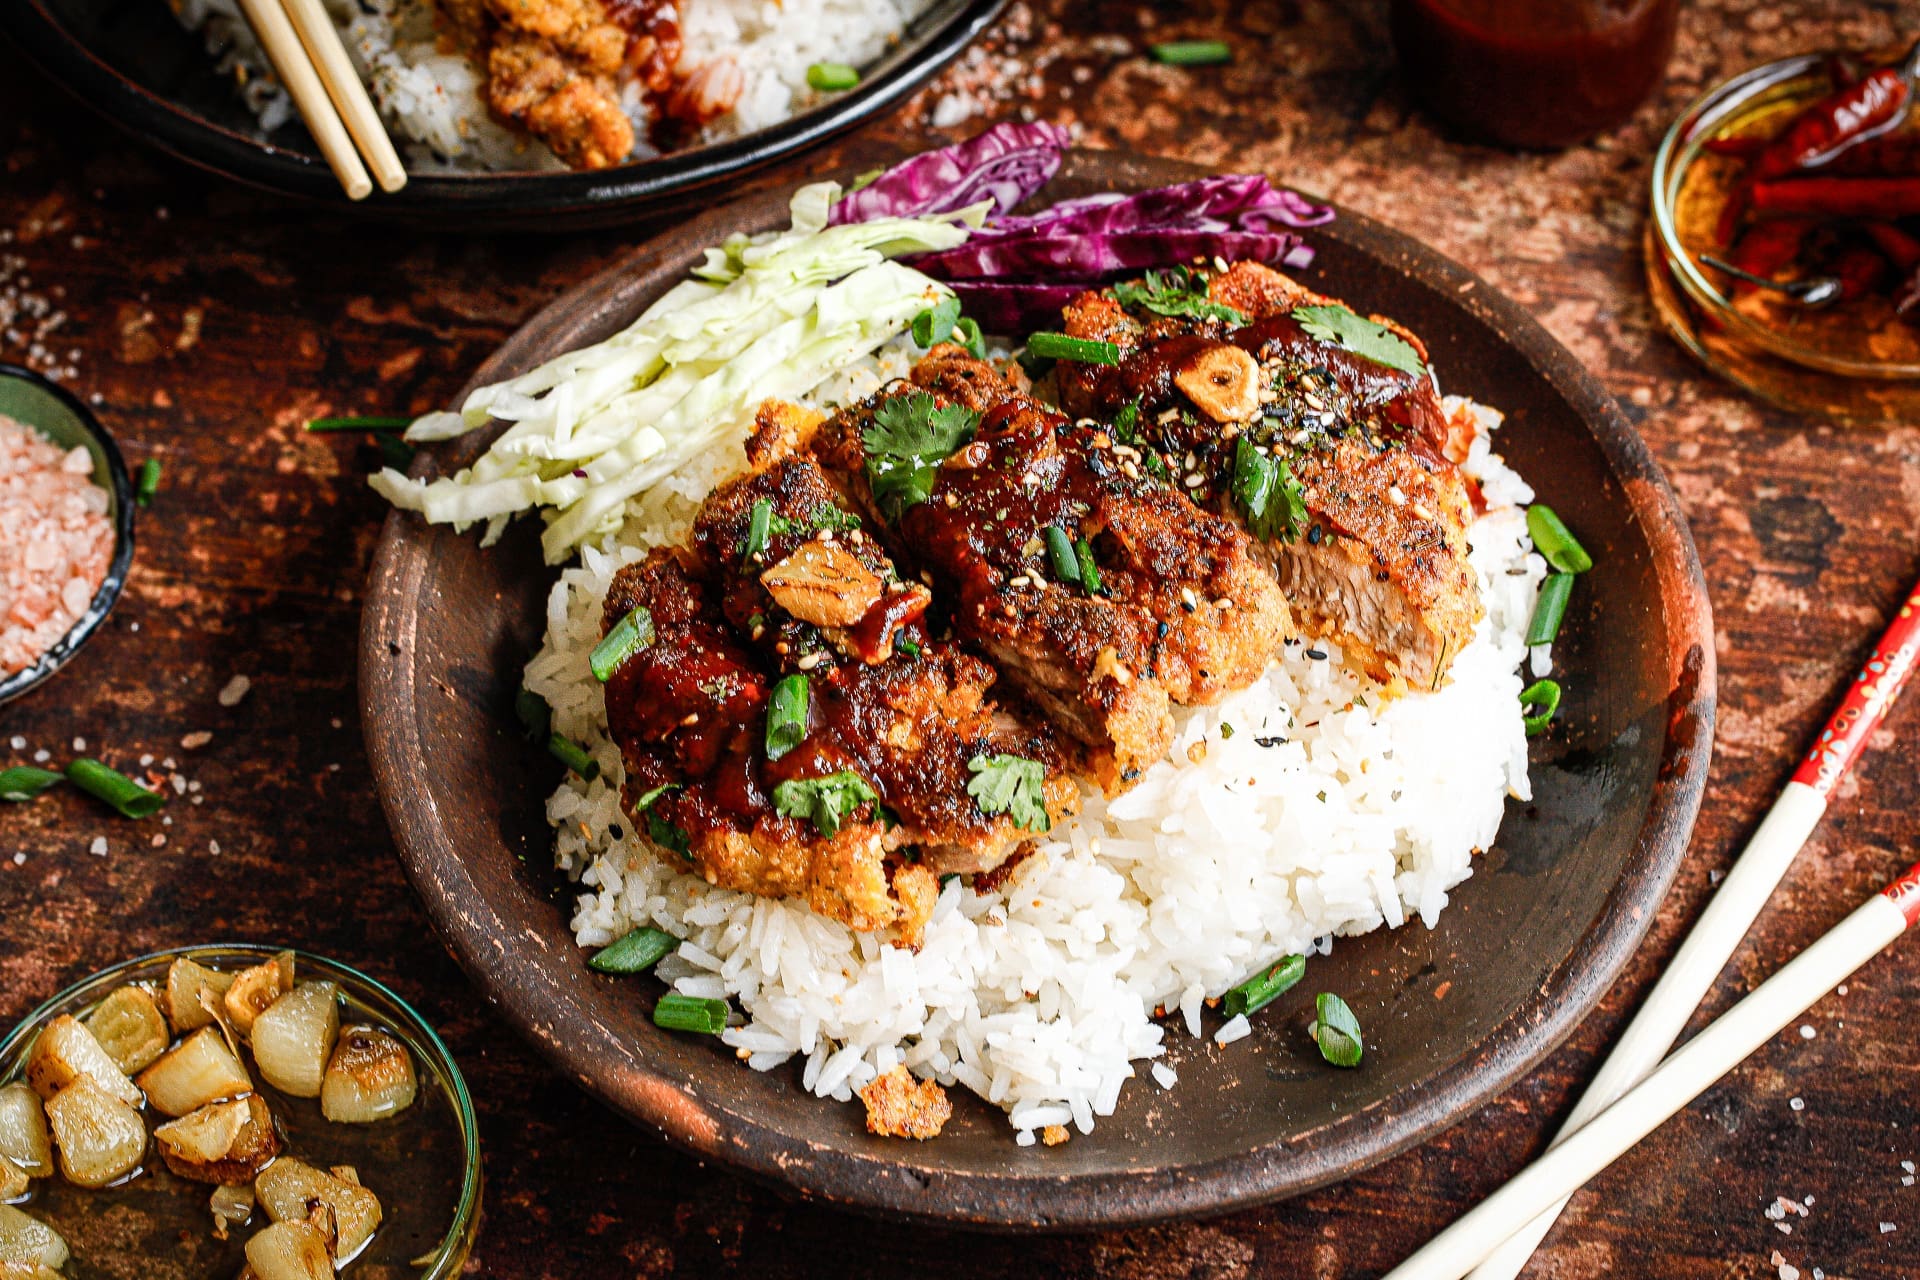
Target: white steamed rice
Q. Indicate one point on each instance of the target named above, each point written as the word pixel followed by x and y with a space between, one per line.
pixel 1322 813
pixel 435 100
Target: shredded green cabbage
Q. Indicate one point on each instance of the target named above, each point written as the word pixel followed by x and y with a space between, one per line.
pixel 770 316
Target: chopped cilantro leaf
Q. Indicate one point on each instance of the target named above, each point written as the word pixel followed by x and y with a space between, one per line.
pixel 1011 785
pixel 910 437
pixel 1126 422
pixel 1361 336
pixel 1266 494
pixel 667 835
pixel 825 802
pixel 1173 292
pixel 828 516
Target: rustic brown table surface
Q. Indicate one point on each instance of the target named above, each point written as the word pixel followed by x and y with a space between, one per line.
pixel 207 323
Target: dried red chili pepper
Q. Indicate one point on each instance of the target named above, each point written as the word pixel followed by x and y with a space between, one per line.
pixel 1891 155
pixel 1872 198
pixel 1767 248
pixel 1847 116
pixel 1901 249
pixel 1740 146
pixel 1859 270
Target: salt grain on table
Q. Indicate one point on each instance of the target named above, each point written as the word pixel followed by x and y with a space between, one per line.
pixel 55 542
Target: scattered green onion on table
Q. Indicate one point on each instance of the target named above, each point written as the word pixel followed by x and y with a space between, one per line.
pixel 149 482
pixel 127 796
pixel 1192 53
pixel 25 781
pixel 378 423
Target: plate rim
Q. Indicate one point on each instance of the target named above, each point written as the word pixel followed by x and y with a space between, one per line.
pixel 160 122
pixel 1023 1199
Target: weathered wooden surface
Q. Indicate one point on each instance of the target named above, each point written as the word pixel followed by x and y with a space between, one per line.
pixel 207 323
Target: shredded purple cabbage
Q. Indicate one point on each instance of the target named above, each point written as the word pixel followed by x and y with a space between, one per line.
pixel 1016 272
pixel 1006 164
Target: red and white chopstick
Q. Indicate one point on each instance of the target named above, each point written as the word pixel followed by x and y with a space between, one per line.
pixel 1721 927
pixel 1673 1084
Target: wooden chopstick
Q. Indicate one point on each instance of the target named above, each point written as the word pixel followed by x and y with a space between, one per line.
pixel 1735 906
pixel 1723 1045
pixel 276 34
pixel 336 71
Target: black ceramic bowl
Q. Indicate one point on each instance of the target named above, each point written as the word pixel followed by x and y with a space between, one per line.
pixel 53 411
pixel 130 60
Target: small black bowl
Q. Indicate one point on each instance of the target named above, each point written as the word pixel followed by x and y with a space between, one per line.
pixel 134 63
pixel 58 415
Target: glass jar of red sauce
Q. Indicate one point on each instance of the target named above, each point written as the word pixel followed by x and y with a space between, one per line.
pixel 1533 73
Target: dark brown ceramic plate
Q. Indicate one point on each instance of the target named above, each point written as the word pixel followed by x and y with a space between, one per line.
pixel 131 61
pixel 1453 1015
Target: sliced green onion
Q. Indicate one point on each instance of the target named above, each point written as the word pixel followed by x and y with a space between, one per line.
pixel 359 424
pixel 646 801
pixel 24 781
pixel 935 324
pixel 394 452
pixel 831 77
pixel 114 787
pixel 1066 565
pixel 1336 1030
pixel 1089 571
pixel 1544 696
pixel 573 755
pixel 906 644
pixel 1552 539
pixel 787 715
pixel 1192 53
pixel 149 482
pixel 1552 609
pixel 967 333
pixel 535 716
pixel 1058 346
pixel 1263 988
pixel 676 1012
pixel 759 528
pixel 637 952
pixel 629 636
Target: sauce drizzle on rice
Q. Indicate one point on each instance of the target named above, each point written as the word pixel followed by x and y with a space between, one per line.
pixel 55 542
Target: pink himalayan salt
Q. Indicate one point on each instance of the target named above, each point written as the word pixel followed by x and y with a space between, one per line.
pixel 55 542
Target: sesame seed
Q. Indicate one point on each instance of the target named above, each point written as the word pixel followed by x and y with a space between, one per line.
pixel 1022 580
pixel 811 660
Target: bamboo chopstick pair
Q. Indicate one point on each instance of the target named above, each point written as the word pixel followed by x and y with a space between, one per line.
pixel 311 62
pixel 1635 1092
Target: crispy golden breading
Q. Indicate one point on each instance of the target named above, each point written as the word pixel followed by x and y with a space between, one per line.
pixel 1382 561
pixel 898 1106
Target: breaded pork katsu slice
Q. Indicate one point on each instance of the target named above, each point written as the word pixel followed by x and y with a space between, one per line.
pixel 1103 594
pixel 1320 429
pixel 793 730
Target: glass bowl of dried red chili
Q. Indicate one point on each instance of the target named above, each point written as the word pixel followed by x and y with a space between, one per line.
pixel 1799 171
